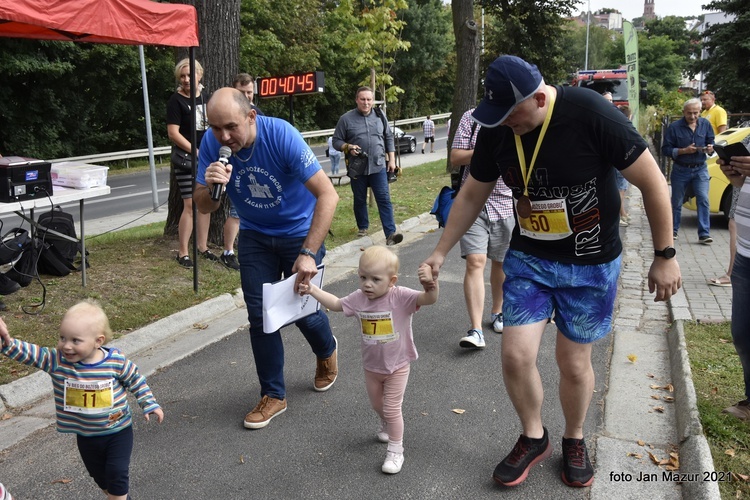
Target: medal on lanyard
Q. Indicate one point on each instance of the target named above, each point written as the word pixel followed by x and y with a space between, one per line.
pixel 523 205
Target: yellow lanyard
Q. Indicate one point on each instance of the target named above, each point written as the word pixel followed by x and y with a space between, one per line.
pixel 526 174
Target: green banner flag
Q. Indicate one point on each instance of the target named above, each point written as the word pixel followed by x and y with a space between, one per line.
pixel 631 59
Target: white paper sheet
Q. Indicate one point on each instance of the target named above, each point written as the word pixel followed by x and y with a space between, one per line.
pixel 282 305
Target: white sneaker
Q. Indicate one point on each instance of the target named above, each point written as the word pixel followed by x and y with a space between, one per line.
pixel 474 339
pixel 393 463
pixel 497 322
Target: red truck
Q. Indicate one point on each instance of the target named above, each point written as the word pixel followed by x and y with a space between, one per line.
pixel 607 80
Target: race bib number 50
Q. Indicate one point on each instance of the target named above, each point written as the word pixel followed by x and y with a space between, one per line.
pixel 548 221
pixel 88 397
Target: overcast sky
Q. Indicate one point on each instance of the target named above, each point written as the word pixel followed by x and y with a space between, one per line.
pixel 634 8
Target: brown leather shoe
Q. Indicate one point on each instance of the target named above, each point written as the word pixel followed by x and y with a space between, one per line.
pixel 741 410
pixel 264 412
pixel 327 371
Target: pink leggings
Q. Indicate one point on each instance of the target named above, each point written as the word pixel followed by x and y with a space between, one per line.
pixel 386 394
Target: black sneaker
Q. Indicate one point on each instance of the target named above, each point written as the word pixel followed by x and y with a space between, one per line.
pixel 515 467
pixel 208 255
pixel 577 469
pixel 230 260
pixel 394 239
pixel 706 240
pixel 185 261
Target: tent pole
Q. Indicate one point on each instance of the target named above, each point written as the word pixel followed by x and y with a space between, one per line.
pixel 193 153
pixel 149 135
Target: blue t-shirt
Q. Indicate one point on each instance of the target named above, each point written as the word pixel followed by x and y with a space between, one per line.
pixel 267 186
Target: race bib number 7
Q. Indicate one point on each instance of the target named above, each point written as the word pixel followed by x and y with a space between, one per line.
pixel 377 327
pixel 88 397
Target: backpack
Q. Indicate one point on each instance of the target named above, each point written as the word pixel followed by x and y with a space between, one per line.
pixel 13 244
pixel 23 271
pixel 57 255
pixel 442 206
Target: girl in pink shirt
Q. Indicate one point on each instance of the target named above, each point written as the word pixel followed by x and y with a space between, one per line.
pixel 385 312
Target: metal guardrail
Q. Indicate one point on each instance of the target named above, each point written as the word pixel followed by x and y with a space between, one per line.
pixel 166 150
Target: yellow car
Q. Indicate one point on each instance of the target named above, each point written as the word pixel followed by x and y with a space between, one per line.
pixel 719 188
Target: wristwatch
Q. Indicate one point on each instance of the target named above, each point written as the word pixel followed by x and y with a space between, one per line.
pixel 308 252
pixel 667 253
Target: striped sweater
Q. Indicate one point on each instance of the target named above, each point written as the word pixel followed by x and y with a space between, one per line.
pixel 122 373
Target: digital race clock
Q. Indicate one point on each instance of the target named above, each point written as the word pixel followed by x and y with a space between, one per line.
pixel 310 82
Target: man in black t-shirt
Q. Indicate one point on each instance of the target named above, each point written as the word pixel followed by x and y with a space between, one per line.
pixel 557 148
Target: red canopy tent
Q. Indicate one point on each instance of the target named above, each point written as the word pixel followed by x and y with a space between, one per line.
pixel 127 22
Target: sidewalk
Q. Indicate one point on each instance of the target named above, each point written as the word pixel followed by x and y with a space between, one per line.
pixel 641 329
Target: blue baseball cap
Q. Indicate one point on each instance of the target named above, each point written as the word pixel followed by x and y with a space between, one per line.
pixel 509 80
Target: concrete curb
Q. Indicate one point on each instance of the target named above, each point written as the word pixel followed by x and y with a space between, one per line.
pixel 695 454
pixel 29 390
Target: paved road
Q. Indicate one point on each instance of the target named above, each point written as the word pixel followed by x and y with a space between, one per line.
pixel 324 446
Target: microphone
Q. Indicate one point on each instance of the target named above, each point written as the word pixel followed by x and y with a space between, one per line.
pixel 224 154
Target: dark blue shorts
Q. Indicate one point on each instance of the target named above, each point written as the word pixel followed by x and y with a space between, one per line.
pixel 581 297
pixel 107 458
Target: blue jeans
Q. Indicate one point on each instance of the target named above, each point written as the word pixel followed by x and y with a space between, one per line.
pixel 379 184
pixel 741 314
pixel 335 159
pixel 682 177
pixel 265 259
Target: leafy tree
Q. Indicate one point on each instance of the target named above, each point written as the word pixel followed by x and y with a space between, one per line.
pixel 727 68
pixel 686 43
pixel 605 48
pixel 531 29
pixel 69 99
pixel 424 71
pixel 659 62
pixel 375 44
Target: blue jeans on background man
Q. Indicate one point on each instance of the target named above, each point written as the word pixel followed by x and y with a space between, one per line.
pixel 681 178
pixel 379 184
pixel 741 315
pixel 264 259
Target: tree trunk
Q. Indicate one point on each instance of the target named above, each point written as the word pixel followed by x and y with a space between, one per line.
pixel 219 54
pixel 467 63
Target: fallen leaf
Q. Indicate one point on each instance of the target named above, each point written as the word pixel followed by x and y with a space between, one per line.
pixel 424 413
pixel 729 452
pixel 668 399
pixel 636 455
pixel 744 477
pixel 458 410
pixel 62 481
pixel 660 409
pixel 6 416
pixel 672 467
pixel 669 387
pixel 654 386
pixel 651 375
pixel 632 358
pixel 641 442
pixel 655 396
pixel 714 390
pixel 654 458
pixel 200 326
pixel 242 459
pixel 724 341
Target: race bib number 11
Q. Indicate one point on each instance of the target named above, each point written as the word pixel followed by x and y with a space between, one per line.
pixel 88 397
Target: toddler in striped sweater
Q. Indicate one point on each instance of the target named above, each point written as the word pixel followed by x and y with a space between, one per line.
pixel 90 383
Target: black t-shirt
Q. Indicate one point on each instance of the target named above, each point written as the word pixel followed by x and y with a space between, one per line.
pixel 573 186
pixel 178 113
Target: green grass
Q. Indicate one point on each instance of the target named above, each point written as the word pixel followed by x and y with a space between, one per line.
pixel 134 276
pixel 718 380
